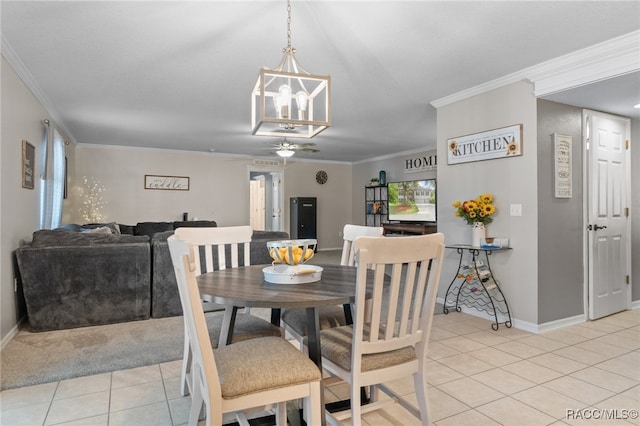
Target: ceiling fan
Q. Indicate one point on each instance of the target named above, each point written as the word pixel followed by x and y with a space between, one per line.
pixel 286 149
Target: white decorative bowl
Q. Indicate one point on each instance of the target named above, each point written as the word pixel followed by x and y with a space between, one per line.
pixel 285 274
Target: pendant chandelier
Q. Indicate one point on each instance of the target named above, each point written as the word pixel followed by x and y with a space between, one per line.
pixel 288 100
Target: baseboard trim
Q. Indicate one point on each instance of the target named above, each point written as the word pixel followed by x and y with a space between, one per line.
pixel 562 322
pixel 526 325
pixel 11 334
pixel 521 325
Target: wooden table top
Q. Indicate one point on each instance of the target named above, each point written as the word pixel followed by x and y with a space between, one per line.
pixel 246 287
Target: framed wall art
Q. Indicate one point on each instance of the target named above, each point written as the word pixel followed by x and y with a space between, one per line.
pixel 167 183
pixel 28 164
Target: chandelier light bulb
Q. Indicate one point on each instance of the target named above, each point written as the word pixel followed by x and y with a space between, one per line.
pixel 284 101
pixel 301 99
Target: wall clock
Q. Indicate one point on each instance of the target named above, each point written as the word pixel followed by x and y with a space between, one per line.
pixel 321 177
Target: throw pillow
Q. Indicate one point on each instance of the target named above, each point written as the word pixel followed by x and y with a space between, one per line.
pixel 99 230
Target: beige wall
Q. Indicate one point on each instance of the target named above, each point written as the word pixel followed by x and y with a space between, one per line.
pixel 511 180
pixel 21 118
pixel 219 187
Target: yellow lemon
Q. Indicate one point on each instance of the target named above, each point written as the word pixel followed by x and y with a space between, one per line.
pixel 274 255
pixel 281 253
pixel 309 254
pixel 284 252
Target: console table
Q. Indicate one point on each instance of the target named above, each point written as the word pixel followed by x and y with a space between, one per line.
pixel 409 228
pixel 475 286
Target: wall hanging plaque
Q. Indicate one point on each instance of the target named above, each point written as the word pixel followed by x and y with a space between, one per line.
pixel 171 183
pixel 562 165
pixel 499 143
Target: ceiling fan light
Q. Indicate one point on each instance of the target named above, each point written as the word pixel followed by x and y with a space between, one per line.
pixel 286 153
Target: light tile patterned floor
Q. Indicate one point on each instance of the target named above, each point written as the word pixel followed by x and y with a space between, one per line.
pixel 478 377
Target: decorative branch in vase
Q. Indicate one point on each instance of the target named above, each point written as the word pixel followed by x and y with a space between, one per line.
pixel 476 213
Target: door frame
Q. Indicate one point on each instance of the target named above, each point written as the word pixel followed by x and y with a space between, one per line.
pixel 268 193
pixel 586 128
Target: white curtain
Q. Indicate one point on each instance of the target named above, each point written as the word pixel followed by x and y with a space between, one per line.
pixel 52 179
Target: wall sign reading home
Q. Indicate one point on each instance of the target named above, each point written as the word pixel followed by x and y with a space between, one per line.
pixel 172 183
pixel 499 143
pixel 421 163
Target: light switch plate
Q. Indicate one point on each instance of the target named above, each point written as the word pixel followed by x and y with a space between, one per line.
pixel 515 209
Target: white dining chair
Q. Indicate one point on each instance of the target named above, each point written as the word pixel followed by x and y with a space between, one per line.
pixel 253 373
pixel 388 341
pixel 213 249
pixel 294 321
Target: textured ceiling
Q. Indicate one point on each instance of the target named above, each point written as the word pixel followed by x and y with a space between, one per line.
pixel 178 75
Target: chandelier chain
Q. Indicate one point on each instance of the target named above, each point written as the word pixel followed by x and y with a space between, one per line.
pixel 289 24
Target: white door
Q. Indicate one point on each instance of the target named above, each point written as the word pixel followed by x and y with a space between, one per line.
pixel 257 204
pixel 608 221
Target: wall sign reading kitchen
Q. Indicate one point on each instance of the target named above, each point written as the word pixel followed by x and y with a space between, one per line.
pixel 499 143
pixel 171 183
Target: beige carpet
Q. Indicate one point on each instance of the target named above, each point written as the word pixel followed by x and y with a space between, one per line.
pixel 34 358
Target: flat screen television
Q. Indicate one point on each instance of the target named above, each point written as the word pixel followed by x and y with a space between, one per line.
pixel 412 201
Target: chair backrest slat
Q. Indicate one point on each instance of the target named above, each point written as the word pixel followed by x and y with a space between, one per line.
pixel 402 301
pixel 350 233
pixel 218 247
pixel 394 297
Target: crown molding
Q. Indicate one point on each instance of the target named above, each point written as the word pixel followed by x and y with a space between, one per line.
pixel 602 61
pixel 611 58
pixel 23 73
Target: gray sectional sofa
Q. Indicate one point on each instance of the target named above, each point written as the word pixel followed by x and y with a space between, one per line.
pixel 75 279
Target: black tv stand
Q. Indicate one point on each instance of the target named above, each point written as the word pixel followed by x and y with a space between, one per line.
pixel 409 228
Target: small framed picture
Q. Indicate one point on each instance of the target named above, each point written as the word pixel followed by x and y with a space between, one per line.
pixel 28 164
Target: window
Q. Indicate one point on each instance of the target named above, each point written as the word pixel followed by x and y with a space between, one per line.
pixel 52 181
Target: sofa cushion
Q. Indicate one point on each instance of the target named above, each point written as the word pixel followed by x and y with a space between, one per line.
pixel 98 230
pixel 57 237
pixel 150 228
pixel 259 252
pixel 114 227
pixel 74 227
pixel 195 224
pixel 127 229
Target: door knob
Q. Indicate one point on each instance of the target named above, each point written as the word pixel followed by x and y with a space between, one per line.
pixel 595 227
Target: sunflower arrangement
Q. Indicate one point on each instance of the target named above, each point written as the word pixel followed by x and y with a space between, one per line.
pixel 479 210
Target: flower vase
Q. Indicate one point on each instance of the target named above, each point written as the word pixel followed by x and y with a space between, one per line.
pixel 478 232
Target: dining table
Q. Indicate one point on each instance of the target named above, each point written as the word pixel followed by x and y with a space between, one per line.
pixel 237 288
